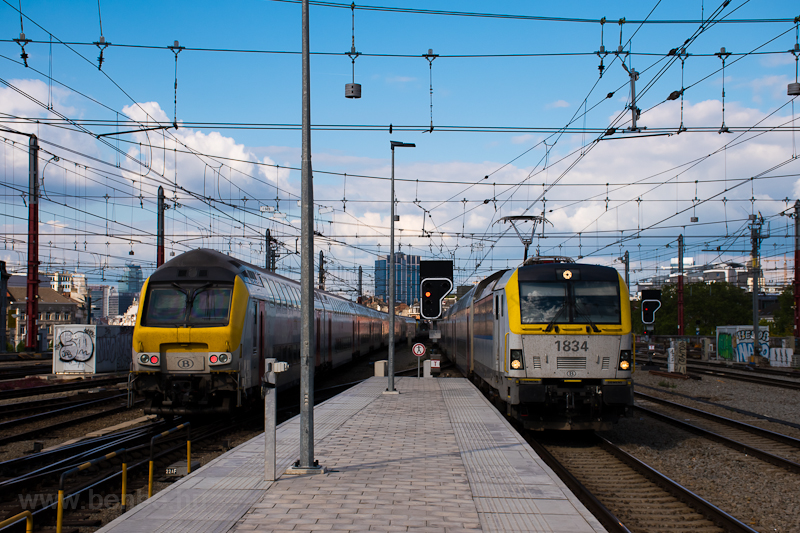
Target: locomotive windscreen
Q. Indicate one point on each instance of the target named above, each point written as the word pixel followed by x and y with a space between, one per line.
pixel 569 302
pixel 187 305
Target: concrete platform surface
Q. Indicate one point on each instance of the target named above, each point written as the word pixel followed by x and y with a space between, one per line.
pixel 437 457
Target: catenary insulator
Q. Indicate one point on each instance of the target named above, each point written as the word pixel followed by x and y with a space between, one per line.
pixel 352 90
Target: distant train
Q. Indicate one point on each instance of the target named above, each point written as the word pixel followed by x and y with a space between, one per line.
pixel 207 321
pixel 549 341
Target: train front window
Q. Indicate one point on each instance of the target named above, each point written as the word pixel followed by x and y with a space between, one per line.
pixel 572 302
pixel 542 302
pixel 210 307
pixel 596 301
pixel 198 306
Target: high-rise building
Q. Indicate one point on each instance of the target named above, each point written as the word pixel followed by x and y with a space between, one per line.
pixel 406 275
pixel 105 301
pixel 132 279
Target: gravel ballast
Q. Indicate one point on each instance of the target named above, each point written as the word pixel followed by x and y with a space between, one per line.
pixel 765 497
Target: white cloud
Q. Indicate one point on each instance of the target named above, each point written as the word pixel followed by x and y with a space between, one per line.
pixel 400 79
pixel 557 104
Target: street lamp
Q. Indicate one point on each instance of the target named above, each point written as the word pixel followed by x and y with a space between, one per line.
pixel 390 389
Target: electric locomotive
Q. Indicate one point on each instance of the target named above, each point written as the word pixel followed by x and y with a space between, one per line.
pixel 207 321
pixel 550 341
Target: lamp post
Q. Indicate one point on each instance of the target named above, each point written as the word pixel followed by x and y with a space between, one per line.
pixel 390 389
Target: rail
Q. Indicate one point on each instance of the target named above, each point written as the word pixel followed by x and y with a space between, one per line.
pixel 60 512
pixel 187 425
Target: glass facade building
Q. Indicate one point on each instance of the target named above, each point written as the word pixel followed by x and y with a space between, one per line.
pixel 406 271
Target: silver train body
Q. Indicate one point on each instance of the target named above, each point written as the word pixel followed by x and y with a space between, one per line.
pixel 550 343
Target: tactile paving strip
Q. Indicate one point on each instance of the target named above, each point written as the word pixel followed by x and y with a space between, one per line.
pixel 513 491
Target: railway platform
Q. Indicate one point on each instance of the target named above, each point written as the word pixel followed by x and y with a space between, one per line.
pixel 437 457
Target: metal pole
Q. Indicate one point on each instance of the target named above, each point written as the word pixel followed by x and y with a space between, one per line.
pixel 390 388
pixel 796 270
pixel 627 271
pixel 269 263
pixel 32 307
pixel 680 285
pixel 754 238
pixel 321 270
pixel 160 229
pixel 306 268
pixel 3 320
pixel 269 424
pixel 634 110
pixel 360 293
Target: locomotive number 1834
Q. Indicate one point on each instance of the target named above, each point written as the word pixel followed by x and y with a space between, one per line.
pixel 572 346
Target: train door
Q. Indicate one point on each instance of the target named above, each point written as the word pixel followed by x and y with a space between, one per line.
pixel 470 337
pixel 318 355
pixel 261 340
pixel 497 335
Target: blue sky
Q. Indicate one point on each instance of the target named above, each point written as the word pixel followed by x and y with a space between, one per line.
pixel 653 184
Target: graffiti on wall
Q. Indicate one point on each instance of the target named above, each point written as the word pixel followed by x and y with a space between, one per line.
pixel 744 350
pixel 725 346
pixel 77 346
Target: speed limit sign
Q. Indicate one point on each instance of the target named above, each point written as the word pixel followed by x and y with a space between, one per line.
pixel 418 349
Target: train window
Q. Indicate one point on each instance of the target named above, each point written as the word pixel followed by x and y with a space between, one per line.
pixel 597 302
pixel 281 300
pixel 197 306
pixel 165 306
pixel 268 287
pixel 543 302
pixel 297 297
pixel 277 293
pixel 210 307
pixel 497 308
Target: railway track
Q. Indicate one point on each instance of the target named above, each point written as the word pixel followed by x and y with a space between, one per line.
pixel 762 376
pixel 42 430
pixel 104 478
pixel 86 383
pixel 770 446
pixel 626 494
pixel 53 409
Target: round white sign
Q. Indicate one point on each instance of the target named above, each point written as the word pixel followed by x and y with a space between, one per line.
pixel 418 349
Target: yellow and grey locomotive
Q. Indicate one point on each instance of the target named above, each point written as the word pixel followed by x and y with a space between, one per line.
pixel 551 340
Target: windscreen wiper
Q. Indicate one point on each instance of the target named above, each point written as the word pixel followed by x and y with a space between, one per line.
pixel 587 317
pixel 558 314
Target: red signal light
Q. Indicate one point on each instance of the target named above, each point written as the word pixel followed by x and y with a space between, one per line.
pixel 154 360
pixel 213 358
pixel 427 294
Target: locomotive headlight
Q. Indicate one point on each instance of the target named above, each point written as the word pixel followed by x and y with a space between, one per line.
pixel 144 358
pixel 223 358
pixel 516 360
pixel 625 360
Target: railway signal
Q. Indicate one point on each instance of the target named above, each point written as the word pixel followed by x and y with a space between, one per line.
pixel 651 302
pixel 437 282
pixel 433 292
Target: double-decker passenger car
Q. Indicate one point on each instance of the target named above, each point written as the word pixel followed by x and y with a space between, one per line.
pixel 207 321
pixel 551 340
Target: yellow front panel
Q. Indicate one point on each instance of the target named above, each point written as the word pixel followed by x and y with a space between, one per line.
pixel 217 339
